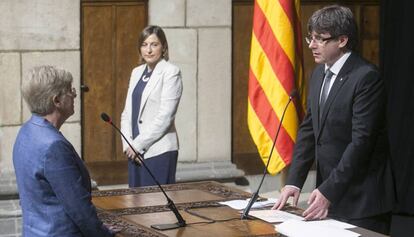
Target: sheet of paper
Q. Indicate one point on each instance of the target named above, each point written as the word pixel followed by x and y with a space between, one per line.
pixel 295 228
pixel 241 204
pixel 273 216
pixel 334 224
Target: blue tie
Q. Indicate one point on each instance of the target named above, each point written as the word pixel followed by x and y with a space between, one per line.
pixel 325 89
pixel 325 92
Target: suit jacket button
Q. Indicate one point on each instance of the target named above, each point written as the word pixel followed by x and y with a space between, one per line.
pixel 140 121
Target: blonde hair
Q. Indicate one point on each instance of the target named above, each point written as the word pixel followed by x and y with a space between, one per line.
pixel 42 84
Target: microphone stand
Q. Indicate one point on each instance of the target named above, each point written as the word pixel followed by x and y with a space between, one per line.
pixel 245 214
pixel 170 203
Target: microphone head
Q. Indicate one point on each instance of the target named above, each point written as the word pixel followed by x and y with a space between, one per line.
pixel 294 93
pixel 106 117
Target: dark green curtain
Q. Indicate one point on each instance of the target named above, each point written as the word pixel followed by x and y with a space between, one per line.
pixel 397 66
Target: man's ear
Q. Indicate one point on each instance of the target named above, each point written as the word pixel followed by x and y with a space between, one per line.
pixel 343 41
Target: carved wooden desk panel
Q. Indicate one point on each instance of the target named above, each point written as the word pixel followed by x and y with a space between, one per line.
pixel 153 199
pixel 136 209
pixel 227 223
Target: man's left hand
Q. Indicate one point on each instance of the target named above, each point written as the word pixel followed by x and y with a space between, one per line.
pixel 318 206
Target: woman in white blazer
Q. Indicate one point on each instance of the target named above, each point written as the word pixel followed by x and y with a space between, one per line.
pixel 152 100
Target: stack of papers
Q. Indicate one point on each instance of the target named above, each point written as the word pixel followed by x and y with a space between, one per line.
pixel 323 228
pixel 293 225
pixel 241 204
pixel 273 216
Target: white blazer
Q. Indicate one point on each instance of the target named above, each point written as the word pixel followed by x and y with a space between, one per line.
pixel 159 103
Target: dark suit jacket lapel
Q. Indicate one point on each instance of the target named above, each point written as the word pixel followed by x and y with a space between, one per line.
pixel 336 87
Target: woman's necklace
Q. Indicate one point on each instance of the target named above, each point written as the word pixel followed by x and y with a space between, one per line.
pixel 147 75
pixel 145 78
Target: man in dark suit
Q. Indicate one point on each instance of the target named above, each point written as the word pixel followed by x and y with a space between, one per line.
pixel 344 131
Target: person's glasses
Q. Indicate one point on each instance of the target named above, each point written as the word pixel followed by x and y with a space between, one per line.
pixel 73 91
pixel 318 39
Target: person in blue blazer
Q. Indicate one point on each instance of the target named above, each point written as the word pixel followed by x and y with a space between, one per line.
pixel 53 183
pixel 147 121
pixel 344 131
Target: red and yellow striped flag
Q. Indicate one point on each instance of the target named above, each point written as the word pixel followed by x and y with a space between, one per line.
pixel 276 69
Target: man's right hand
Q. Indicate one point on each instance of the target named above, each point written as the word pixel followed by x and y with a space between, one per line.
pixel 287 191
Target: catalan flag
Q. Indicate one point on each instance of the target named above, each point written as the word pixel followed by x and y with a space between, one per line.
pixel 276 69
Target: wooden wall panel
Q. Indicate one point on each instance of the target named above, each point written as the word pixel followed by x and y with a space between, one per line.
pixel 109 53
pixel 97 68
pixel 242 144
pixel 130 22
pixel 369 31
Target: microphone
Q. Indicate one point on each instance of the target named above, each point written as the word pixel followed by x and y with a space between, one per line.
pixel 255 195
pixel 108 119
pixel 170 203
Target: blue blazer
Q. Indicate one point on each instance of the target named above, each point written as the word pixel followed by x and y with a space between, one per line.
pixel 54 185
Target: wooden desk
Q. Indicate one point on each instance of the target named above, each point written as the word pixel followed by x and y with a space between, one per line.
pixel 136 209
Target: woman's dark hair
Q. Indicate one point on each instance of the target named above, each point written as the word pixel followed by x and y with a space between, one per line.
pixel 153 29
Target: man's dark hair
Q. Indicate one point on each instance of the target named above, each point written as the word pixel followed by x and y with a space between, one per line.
pixel 335 20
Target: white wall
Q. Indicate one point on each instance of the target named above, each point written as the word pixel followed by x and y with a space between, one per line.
pixel 34 32
pixel 199 36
